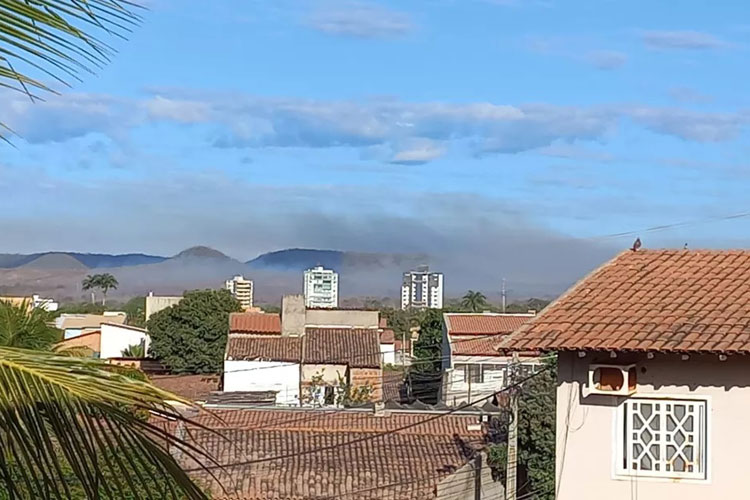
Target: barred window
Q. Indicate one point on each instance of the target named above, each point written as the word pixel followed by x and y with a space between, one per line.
pixel 664 438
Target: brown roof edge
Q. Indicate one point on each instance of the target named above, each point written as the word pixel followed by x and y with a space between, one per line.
pixel 503 346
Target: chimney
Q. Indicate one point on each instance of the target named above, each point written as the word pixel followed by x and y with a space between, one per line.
pixel 292 315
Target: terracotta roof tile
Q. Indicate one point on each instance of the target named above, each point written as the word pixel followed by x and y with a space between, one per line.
pixel 402 465
pixel 358 348
pixel 484 324
pixel 650 300
pixel 469 345
pixel 254 323
pixel 249 347
pixel 387 336
pixel 192 387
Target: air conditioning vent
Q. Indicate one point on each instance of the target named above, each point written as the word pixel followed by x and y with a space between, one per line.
pixel 612 380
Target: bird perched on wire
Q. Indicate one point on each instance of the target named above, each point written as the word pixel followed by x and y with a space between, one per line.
pixel 636 244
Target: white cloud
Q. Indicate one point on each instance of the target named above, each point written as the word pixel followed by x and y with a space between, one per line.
pixel 607 59
pixel 418 151
pixel 687 40
pixel 360 20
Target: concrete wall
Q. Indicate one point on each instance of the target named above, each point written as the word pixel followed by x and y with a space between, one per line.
pixel 342 317
pixel 587 428
pixel 264 376
pixel 293 315
pixel 461 484
pixel 92 341
pixel 116 338
pixel 388 354
pixel 155 303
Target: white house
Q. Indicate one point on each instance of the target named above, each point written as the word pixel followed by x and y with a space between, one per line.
pixel 653 376
pixel 472 367
pixel 116 338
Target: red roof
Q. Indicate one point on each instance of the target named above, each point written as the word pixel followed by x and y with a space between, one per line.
pixel 254 323
pixel 651 300
pixel 272 348
pixel 358 348
pixel 387 336
pixel 192 387
pixel 331 454
pixel 471 345
pixel 483 324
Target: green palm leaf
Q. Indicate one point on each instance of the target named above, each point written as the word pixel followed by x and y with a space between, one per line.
pixel 63 417
pixel 57 39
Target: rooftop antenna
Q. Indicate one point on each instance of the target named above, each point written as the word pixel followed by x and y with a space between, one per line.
pixel 502 294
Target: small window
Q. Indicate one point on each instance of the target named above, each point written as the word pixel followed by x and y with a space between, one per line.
pixel 474 374
pixel 664 438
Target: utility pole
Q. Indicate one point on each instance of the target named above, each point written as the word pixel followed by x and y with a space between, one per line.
pixel 478 476
pixel 512 459
pixel 502 293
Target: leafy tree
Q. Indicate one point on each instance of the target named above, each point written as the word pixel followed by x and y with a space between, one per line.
pixel 135 308
pixel 474 301
pixel 24 327
pixel 349 395
pixel 536 438
pixel 81 308
pixel 135 351
pixel 190 337
pixel 59 416
pixel 429 346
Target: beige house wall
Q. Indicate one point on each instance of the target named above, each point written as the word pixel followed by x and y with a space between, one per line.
pixel 156 303
pixel 371 376
pixel 341 318
pixel 587 429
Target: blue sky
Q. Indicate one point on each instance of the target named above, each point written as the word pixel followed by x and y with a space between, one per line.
pixel 508 126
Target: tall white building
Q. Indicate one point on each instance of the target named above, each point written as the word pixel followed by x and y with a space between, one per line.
pixel 242 290
pixel 321 288
pixel 422 289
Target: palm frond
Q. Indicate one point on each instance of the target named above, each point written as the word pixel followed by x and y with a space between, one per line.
pixel 57 39
pixel 63 417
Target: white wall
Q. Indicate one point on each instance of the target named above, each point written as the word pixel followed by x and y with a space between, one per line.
pixel 388 353
pixel 116 338
pixel 586 427
pixel 264 376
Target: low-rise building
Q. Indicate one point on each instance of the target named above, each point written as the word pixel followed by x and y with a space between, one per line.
pixel 156 303
pixel 472 366
pixel 109 341
pixel 73 325
pixel 653 376
pixel 34 302
pixel 353 454
pixel 306 364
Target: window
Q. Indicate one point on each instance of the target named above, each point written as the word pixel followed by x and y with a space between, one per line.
pixel 664 438
pixel 474 374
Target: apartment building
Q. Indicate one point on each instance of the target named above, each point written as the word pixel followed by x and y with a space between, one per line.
pixel 422 289
pixel 321 288
pixel 242 290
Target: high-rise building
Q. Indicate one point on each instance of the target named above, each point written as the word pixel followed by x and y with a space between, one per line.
pixel 321 287
pixel 242 290
pixel 422 289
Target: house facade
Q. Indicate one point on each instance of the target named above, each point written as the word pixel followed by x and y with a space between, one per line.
pixel 109 341
pixel 472 366
pixel 304 364
pixel 653 387
pixel 73 325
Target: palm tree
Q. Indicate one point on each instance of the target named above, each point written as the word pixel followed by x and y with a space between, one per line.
pixel 107 282
pixel 26 327
pixel 58 40
pixel 63 417
pixel 474 301
pixel 61 420
pixel 104 282
pixel 135 351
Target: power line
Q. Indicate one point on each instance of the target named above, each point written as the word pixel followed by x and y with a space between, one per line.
pixel 664 227
pixel 379 435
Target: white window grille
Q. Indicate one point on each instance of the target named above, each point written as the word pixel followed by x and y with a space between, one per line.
pixel 664 438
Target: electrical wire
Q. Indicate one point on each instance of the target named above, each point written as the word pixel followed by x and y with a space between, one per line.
pixel 378 435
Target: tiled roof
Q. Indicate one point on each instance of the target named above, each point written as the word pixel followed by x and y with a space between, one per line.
pixel 483 324
pixel 358 348
pixel 401 465
pixel 651 300
pixel 274 348
pixel 254 323
pixel 471 345
pixel 192 387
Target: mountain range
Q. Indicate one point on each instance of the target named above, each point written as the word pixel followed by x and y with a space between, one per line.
pixel 58 274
